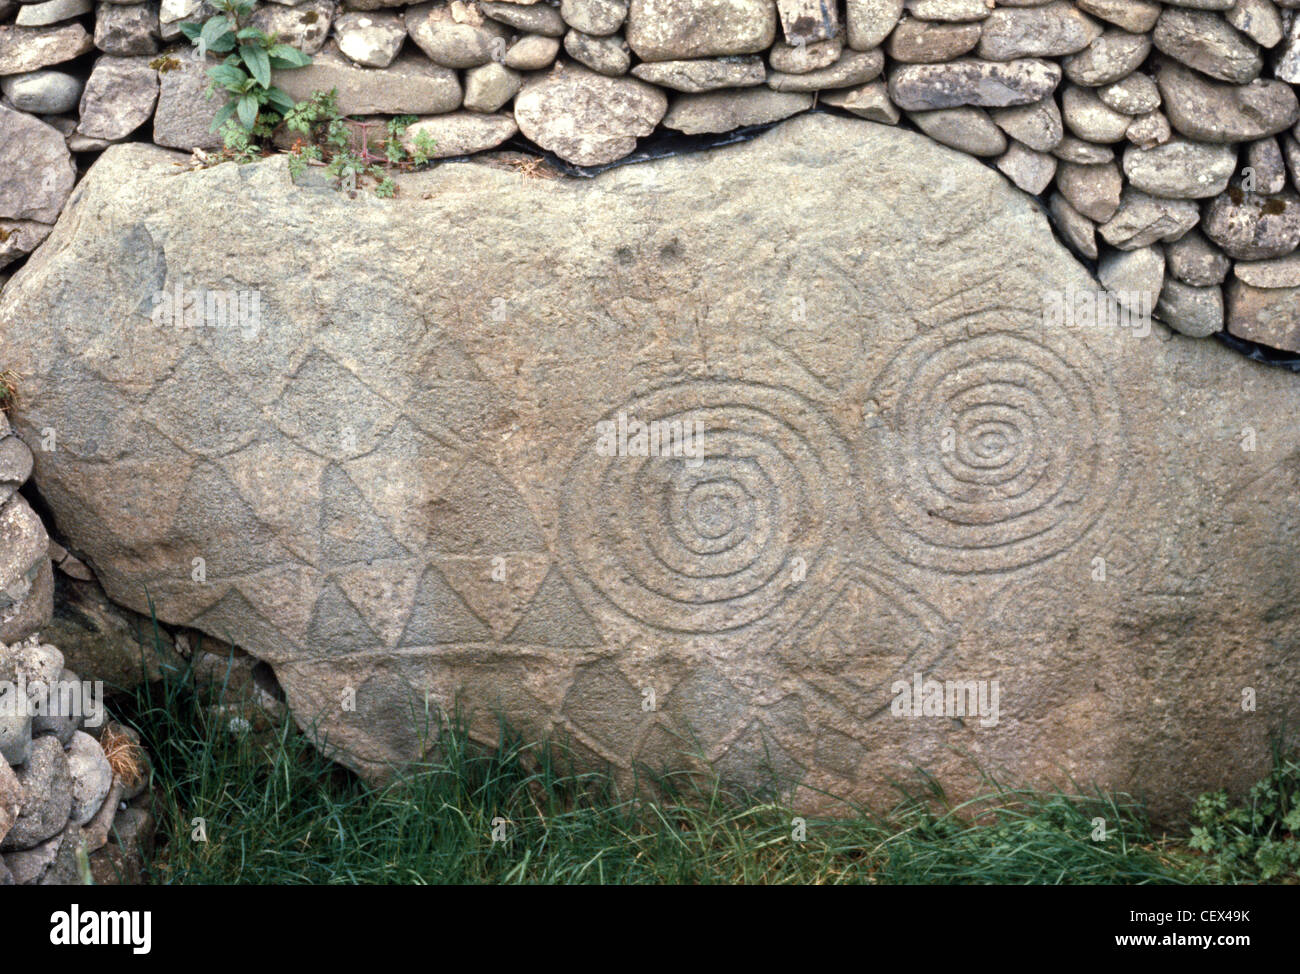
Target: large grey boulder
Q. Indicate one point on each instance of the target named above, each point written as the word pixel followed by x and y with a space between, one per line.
pixel 398 476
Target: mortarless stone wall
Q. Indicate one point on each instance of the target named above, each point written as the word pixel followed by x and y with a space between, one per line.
pixel 1161 137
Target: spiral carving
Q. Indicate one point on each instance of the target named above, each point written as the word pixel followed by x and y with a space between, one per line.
pixel 995 449
pixel 715 542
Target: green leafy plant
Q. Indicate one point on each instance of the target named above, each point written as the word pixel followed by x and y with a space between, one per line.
pixel 253 103
pixel 326 136
pixel 8 391
pixel 1260 837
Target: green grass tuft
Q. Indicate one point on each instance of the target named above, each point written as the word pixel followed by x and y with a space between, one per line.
pixel 277 811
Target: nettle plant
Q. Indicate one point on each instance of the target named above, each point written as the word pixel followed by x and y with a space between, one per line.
pixel 253 106
pixel 348 149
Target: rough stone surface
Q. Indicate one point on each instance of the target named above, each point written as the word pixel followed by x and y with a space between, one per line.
pixel 669 30
pixel 25 49
pixel 798 58
pixel 184 114
pixel 1250 226
pixel 489 86
pixel 1209 111
pixel 852 68
pixel 15 463
pixel 1180 169
pixel 307 25
pixel 31 661
pixel 949 10
pixel 1194 260
pixel 1077 230
pixel 1111 57
pixel 596 17
pixel 44 92
pixel 1257 19
pixel 1270 316
pixel 455 35
pixel 173 13
pixel 1088 117
pixel 532 52
pixel 11 798
pixel 15 739
pixel 530 18
pixel 868 22
pixel 119 97
pixel 1281 272
pixel 90 775
pixel 367 561
pixel 1135 95
pixel 409 86
pixel 68 705
pixel 870 101
pixel 33 612
pixel 1287 65
pixel 604 55
pixel 1031 171
pixel 968 81
pixel 1072 149
pixel 28 866
pixel 1137 16
pixel 47 796
pixel 1050 30
pixel 19 238
pixel 51 12
pixel 1130 273
pixel 37 167
pixel 1265 160
pixel 585 117
pixel 1194 311
pixel 1142 219
pixel 460 133
pixel 1150 130
pixel 127 30
pixel 925 42
pixel 24 550
pixel 1037 125
pixel 97 637
pixel 1204 41
pixel 967 129
pixel 703 75
pixel 722 111
pixel 1093 190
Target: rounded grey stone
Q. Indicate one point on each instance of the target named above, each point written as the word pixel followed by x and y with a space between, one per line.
pixel 47 796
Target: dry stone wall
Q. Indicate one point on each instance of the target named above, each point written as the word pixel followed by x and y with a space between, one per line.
pixel 1162 138
pixel 60 792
